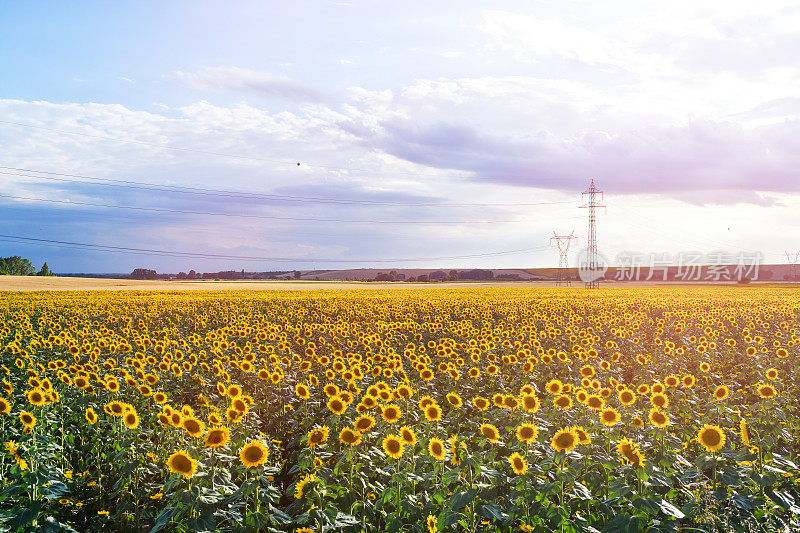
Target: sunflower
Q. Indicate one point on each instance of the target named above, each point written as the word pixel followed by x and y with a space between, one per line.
pixel 772 373
pixel 217 437
pixel 659 400
pixel 408 435
pixel 638 422
pixel 253 454
pixel 318 436
pixel 766 391
pixel 27 419
pixel 437 448
pixel 116 408
pixel 563 402
pixel 744 432
pixel 518 463
pixel 527 433
pixel 610 416
pixel 234 391
pixel 530 402
pixel 454 400
pixel 658 418
pixel 194 427
pixel 705 367
pixel 721 392
pixel 595 402
pixel 554 386
pixel 364 423
pixel 182 464
pixel 5 406
pixel 711 437
pixel 35 397
pixel 689 380
pixel 432 524
pixel 350 437
pixel 490 432
pixel 391 413
pixel 336 405
pixel 300 486
pixel 91 416
pixel 131 420
pixel 583 437
pixel 433 413
pixel 629 453
pixel 159 397
pixel 565 440
pixel 627 396
pixel 393 446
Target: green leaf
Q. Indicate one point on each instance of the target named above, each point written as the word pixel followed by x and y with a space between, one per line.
pixel 648 505
pixel 492 511
pixel 783 498
pixel 163 519
pixel 743 501
pixel 671 510
pixel 622 523
pixel 459 500
pixel 26 516
pixel 579 490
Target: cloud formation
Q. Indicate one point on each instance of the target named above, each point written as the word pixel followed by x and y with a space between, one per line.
pixel 237 79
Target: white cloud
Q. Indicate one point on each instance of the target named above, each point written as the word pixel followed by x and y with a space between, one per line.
pixel 236 79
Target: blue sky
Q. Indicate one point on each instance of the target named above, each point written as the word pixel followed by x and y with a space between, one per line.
pixel 687 117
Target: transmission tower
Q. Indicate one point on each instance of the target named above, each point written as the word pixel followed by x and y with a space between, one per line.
pixel 792 258
pixel 591 265
pixel 562 242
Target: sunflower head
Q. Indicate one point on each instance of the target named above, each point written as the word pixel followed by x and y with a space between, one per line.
pixel 721 392
pixel 408 435
pixel 131 420
pixel 490 432
pixel 437 448
pixel 565 440
pixel 518 463
pixel 393 446
pixel 181 463
pixel 253 454
pixel 629 453
pixel 349 437
pixel 527 433
pixel 711 437
pixel 610 416
pixel 391 413
pixel 658 418
pixel 217 437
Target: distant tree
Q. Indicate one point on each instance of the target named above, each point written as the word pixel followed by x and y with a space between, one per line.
pixel 45 270
pixel 411 278
pixel 423 278
pixel 16 266
pixel 476 274
pixel 297 274
pixel 181 275
pixel 437 274
pixel 192 274
pixel 143 273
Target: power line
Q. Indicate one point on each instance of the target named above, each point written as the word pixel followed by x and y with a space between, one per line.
pixel 62 177
pixel 270 217
pixel 199 255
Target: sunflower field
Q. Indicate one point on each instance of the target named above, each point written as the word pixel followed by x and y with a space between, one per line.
pixel 417 410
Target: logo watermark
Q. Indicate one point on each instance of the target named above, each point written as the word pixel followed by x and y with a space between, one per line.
pixel 683 266
pixel 591 266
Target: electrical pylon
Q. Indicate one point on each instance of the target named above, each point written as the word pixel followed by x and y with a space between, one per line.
pixel 591 265
pixel 792 258
pixel 562 242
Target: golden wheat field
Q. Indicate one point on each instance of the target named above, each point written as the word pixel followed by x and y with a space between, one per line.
pixel 646 409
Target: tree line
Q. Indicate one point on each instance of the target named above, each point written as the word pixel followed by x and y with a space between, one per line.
pixel 19 266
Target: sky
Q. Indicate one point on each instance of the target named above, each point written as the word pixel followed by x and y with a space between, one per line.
pixel 427 136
